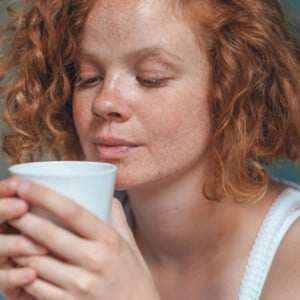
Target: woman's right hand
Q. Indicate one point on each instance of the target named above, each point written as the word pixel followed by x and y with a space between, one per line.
pixel 12 277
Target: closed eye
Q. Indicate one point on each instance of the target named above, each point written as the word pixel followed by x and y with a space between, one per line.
pixel 147 82
pixel 88 82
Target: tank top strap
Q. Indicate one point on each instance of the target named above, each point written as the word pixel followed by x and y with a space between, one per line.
pixel 282 214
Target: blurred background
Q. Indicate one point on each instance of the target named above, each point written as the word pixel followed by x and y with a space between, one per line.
pixel 3 164
pixel 287 171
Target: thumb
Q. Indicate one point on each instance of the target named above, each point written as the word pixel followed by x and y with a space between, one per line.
pixel 119 222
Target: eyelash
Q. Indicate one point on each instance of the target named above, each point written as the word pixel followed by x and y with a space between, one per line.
pixel 147 82
pixel 88 82
pixel 152 82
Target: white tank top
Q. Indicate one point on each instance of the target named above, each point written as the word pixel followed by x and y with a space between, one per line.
pixel 282 214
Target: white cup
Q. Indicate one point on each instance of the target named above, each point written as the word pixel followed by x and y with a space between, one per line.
pixel 90 184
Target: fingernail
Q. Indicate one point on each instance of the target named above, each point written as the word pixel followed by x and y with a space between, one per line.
pixel 27 275
pixel 23 186
pixel 10 186
pixel 19 205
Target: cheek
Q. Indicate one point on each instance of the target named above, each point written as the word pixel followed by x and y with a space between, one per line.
pixel 183 133
pixel 186 117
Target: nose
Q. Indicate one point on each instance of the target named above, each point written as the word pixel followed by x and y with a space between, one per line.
pixel 111 105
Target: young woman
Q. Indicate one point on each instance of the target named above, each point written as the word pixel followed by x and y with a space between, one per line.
pixel 190 99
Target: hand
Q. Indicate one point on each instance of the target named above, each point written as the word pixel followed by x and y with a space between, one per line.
pixel 95 261
pixel 13 279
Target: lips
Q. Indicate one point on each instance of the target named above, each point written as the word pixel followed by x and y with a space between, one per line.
pixel 113 148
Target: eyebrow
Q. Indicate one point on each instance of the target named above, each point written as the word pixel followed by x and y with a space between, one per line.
pixel 138 54
pixel 154 51
pixel 84 54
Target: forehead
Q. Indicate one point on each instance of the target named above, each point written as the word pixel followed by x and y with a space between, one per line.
pixel 136 20
pixel 107 11
pixel 117 5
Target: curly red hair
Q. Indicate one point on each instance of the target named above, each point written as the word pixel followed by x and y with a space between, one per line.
pixel 41 45
pixel 255 95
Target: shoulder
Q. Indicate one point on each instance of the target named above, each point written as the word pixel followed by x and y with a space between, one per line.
pixel 284 276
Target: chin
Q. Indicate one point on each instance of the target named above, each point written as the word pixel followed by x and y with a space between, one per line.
pixel 128 181
pixel 125 185
pixel 124 181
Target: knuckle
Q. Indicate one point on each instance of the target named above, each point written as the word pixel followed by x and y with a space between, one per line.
pixel 83 284
pixel 99 257
pixel 19 244
pixel 93 259
pixel 8 187
pixel 74 212
pixel 112 241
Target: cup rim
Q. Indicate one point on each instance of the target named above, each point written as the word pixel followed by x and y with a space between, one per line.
pixel 18 169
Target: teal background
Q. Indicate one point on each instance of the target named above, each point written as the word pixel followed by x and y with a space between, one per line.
pixel 294 4
pixel 287 172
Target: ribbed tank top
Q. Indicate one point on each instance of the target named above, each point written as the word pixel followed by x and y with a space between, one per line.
pixel 282 214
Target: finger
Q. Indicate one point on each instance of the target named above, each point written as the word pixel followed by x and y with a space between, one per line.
pixel 59 273
pixel 47 268
pixel 78 219
pixel 11 208
pixel 41 289
pixel 14 278
pixel 16 245
pixel 64 244
pixel 8 187
pixel 119 222
pixel 56 239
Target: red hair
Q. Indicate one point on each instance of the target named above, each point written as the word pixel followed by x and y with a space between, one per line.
pixel 41 47
pixel 254 100
pixel 255 94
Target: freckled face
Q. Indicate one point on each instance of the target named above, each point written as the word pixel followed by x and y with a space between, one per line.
pixel 141 95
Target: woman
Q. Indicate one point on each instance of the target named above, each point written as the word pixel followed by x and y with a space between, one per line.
pixel 190 99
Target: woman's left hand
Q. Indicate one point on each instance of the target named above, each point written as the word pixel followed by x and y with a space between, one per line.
pixel 94 260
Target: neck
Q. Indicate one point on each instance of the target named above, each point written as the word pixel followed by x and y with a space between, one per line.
pixel 175 223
